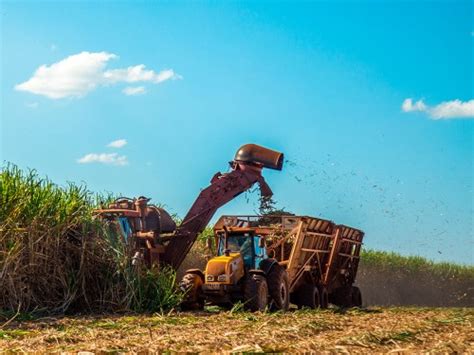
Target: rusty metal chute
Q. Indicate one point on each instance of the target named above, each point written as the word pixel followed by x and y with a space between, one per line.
pixel 255 154
pixel 247 167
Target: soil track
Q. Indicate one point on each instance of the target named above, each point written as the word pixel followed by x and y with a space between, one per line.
pixel 400 330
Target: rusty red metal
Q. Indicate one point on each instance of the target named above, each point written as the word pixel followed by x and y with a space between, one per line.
pixel 255 154
pixel 156 238
pixel 223 188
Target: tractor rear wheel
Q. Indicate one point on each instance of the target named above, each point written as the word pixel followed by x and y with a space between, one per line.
pixel 356 297
pixel 278 288
pixel 191 285
pixel 308 296
pixel 255 293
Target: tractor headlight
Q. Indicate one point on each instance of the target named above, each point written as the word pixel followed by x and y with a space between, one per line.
pixel 222 278
pixel 210 278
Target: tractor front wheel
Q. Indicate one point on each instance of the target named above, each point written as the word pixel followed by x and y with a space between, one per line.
pixel 255 293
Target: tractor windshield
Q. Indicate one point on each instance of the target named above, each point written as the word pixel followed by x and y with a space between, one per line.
pixel 239 243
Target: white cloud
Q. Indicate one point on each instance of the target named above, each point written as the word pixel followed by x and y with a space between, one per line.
pixel 104 158
pixel 408 106
pixel 139 73
pixel 119 143
pixel 443 111
pixel 78 74
pixel 453 109
pixel 73 76
pixel 134 90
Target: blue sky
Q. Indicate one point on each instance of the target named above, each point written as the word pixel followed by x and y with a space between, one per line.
pixel 372 103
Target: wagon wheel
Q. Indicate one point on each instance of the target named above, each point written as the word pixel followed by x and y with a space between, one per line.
pixel 324 297
pixel 342 297
pixel 356 297
pixel 307 296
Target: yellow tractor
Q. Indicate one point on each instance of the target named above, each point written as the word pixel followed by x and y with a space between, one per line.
pixel 241 271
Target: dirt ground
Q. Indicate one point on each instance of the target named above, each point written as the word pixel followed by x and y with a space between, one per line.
pixel 395 330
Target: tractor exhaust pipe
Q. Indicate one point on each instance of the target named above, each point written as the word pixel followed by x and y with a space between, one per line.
pixel 255 154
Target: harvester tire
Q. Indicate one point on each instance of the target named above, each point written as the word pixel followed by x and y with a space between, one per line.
pixel 255 293
pixel 356 297
pixel 324 297
pixel 308 296
pixel 278 288
pixel 191 285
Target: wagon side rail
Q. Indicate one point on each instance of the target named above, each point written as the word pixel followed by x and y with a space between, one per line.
pixel 310 250
pixel 343 260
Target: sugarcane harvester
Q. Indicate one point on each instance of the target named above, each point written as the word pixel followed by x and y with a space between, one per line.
pixel 152 235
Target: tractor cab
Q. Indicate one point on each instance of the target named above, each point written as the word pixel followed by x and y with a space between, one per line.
pixel 250 247
pixel 238 252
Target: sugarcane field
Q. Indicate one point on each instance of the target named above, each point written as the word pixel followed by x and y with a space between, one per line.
pixel 236 177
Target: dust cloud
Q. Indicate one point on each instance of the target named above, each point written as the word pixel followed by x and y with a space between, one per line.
pixel 413 288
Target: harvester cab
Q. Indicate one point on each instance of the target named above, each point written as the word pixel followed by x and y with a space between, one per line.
pixel 142 226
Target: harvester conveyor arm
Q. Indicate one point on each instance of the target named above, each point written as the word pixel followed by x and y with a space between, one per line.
pixel 246 171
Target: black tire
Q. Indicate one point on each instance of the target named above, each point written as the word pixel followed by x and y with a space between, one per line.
pixel 356 297
pixel 307 296
pixel 278 288
pixel 255 293
pixel 342 297
pixel 191 285
pixel 324 297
